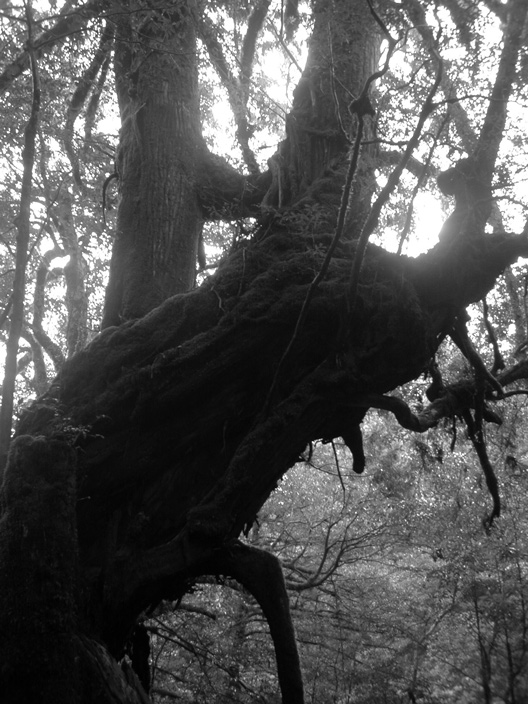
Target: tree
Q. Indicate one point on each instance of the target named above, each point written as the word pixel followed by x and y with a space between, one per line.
pixel 396 590
pixel 156 445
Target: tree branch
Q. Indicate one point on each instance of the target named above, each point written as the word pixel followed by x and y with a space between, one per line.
pixel 477 439
pixel 255 23
pixel 261 574
pixel 490 137
pixel 52 349
pixel 417 16
pixel 79 97
pixel 225 193
pixel 392 181
pixel 40 379
pixel 237 88
pixel 71 23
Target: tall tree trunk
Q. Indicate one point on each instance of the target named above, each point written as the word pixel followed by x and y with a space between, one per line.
pixel 23 223
pixel 344 51
pixel 158 220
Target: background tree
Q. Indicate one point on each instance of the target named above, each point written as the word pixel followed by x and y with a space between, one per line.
pixel 157 444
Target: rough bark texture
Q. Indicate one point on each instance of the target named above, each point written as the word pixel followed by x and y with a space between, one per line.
pixel 344 52
pixel 159 220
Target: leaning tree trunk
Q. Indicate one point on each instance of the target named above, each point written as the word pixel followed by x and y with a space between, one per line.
pixel 159 443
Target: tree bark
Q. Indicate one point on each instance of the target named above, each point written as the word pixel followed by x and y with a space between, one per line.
pixel 39 572
pixel 45 656
pixel 159 220
pixel 343 53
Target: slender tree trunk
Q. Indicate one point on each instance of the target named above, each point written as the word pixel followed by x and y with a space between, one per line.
pixel 485 655
pixel 74 274
pixel 22 244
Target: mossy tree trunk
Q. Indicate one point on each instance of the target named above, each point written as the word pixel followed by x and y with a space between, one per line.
pixel 158 443
pixel 159 220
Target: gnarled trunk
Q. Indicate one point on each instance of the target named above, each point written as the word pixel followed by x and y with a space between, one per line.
pixel 164 437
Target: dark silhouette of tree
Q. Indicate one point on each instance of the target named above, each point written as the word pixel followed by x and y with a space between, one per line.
pixel 156 445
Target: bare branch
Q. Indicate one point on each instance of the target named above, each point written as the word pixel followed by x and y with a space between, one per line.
pixel 40 379
pixel 372 219
pixel 498 360
pixel 237 88
pixel 492 130
pixel 255 23
pixel 477 439
pixel 80 96
pixel 465 131
pixel 460 337
pixel 418 185
pixel 260 573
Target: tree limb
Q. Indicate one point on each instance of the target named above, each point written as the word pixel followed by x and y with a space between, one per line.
pixel 261 574
pixel 80 95
pixel 393 179
pixel 237 88
pixel 491 133
pixel 71 23
pixel 225 193
pixel 417 15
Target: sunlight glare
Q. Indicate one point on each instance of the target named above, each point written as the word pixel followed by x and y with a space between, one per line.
pixel 59 262
pixel 429 218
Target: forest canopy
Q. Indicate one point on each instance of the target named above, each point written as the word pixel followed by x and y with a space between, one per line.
pixel 234 234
